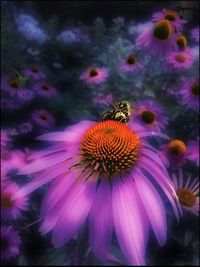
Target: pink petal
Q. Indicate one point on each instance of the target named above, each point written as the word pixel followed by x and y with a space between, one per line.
pixel 164 183
pixel 101 222
pixel 40 180
pixel 153 205
pixel 74 212
pixel 129 223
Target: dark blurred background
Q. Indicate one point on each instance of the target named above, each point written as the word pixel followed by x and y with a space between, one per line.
pixel 87 11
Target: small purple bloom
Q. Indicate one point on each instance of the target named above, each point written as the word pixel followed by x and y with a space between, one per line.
pixel 5 139
pixel 187 191
pixel 10 243
pixel 44 89
pixel 34 72
pixel 181 60
pixel 189 94
pixel 43 118
pixel 172 16
pixel 174 153
pixel 150 115
pixel 158 39
pixel 12 209
pixel 15 89
pixel 94 75
pixel 130 64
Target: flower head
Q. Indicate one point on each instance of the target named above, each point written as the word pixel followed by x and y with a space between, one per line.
pixel 150 115
pixel 187 192
pixel 104 171
pixel 11 209
pixel 10 242
pixel 180 60
pixel 16 89
pixel 175 153
pixel 159 39
pixel 12 160
pixel 172 16
pixel 43 118
pixel 189 94
pixel 34 72
pixel 94 75
pixel 181 42
pixel 44 89
pixel 130 64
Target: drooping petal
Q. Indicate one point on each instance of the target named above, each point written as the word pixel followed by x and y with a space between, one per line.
pixel 74 212
pixel 164 183
pixel 131 229
pixel 44 163
pixel 153 206
pixel 42 179
pixel 101 221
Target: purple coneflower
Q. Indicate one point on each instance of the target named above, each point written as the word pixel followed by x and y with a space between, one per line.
pixel 10 242
pixel 11 209
pixel 150 115
pixel 181 42
pixel 12 160
pixel 44 89
pixel 94 75
pixel 193 151
pixel 43 118
pixel 172 16
pixel 195 34
pixel 187 192
pixel 34 72
pixel 130 64
pixel 180 60
pixel 104 171
pixel 175 153
pixel 189 94
pixel 159 39
pixel 15 89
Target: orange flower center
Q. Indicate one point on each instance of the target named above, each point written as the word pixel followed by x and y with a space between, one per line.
pixel 15 84
pixel 177 147
pixel 45 87
pixel 6 201
pixel 93 72
pixel 110 147
pixel 171 15
pixel 186 197
pixel 195 89
pixel 148 116
pixel 131 59
pixel 180 58
pixel 181 42
pixel 162 30
pixel 34 69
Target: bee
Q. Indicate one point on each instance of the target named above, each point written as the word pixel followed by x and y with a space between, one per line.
pixel 121 111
